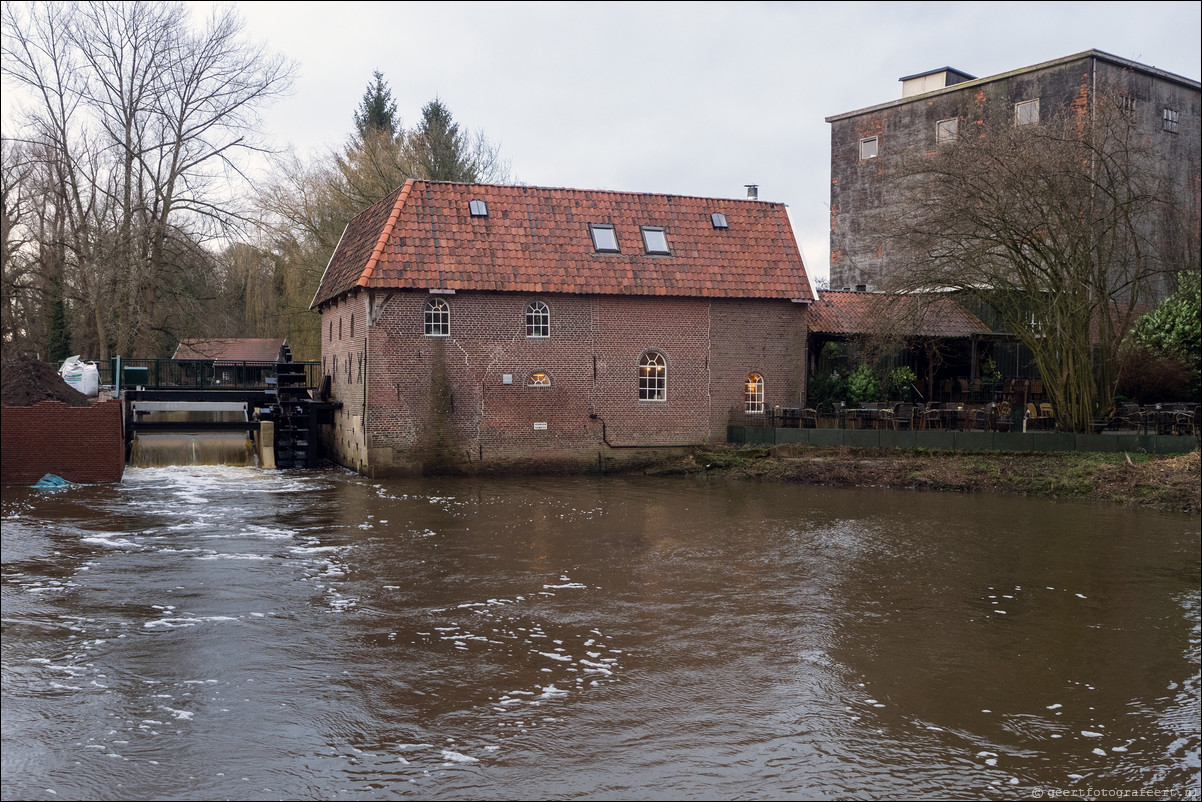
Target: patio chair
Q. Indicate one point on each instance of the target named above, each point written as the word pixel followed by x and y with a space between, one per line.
pixel 1034 419
pixel 932 419
pixel 1130 416
pixel 903 416
pixel 809 418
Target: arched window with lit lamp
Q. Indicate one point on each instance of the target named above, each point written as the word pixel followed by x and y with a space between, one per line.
pixel 753 394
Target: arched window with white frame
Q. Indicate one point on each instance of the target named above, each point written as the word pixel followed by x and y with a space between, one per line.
pixel 753 394
pixel 653 377
pixel 538 320
pixel 437 318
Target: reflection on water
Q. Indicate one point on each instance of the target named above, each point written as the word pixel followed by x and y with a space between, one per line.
pixel 199 633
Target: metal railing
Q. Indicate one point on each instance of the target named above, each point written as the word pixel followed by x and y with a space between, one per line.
pixel 197 374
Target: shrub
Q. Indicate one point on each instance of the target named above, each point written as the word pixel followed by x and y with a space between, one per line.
pixel 863 385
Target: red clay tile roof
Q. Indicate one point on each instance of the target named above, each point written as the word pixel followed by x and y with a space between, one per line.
pixel 534 239
pixel 848 313
pixel 230 349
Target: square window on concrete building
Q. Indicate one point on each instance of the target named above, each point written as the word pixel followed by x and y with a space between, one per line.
pixel 1026 112
pixel 947 130
pixel 868 148
pixel 1171 117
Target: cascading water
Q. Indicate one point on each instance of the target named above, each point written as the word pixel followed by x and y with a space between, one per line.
pixel 188 446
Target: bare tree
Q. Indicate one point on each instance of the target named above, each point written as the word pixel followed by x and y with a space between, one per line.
pixel 143 121
pixel 1059 228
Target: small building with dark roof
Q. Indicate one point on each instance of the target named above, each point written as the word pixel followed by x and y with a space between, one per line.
pixel 922 328
pixel 470 325
pixel 229 360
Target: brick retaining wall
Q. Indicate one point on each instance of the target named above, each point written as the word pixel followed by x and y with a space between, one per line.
pixel 80 444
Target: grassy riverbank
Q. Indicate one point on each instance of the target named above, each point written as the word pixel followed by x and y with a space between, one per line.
pixel 1162 482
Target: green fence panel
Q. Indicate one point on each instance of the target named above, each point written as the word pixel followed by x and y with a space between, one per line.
pixel 1038 442
pixel 826 437
pixel 861 438
pixel 906 439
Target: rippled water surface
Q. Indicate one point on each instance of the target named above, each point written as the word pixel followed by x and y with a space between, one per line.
pixel 201 633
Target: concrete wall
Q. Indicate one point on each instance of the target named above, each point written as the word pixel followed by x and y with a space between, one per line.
pixel 443 402
pixel 80 444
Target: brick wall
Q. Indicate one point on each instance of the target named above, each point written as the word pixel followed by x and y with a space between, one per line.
pixel 443 401
pixel 80 444
pixel 344 360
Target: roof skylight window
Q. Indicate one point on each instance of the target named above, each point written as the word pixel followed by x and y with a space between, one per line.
pixel 719 220
pixel 655 240
pixel 478 208
pixel 605 239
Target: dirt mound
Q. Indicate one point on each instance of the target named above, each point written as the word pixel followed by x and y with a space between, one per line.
pixel 24 382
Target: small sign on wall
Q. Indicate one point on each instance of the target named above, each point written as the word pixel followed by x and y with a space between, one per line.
pixel 540 427
pixel 506 378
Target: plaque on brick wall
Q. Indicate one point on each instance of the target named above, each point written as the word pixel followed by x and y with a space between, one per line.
pixel 540 427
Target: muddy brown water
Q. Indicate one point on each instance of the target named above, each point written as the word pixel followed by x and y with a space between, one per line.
pixel 228 633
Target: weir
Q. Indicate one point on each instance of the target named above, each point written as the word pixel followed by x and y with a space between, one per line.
pixel 262 414
pixel 192 433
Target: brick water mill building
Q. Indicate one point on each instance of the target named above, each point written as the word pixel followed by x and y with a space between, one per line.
pixel 469 326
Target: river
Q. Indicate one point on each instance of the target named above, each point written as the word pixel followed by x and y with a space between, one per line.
pixel 229 633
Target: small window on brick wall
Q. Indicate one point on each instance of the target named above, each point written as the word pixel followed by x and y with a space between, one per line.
pixel 653 377
pixel 1171 118
pixel 868 148
pixel 437 318
pixel 538 320
pixel 539 379
pixel 352 325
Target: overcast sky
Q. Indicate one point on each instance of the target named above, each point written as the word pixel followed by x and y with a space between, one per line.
pixel 678 98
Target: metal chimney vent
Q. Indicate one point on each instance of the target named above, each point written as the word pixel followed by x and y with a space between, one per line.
pixel 753 191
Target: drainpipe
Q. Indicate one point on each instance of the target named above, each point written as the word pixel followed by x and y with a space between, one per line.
pixel 605 438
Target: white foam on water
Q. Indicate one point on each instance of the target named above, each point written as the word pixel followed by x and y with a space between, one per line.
pixel 1091 734
pixel 563 658
pixel 182 715
pixel 233 557
pixel 112 542
pixel 1099 752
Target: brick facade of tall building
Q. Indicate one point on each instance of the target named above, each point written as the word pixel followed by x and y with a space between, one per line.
pixel 460 342
pixel 869 147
